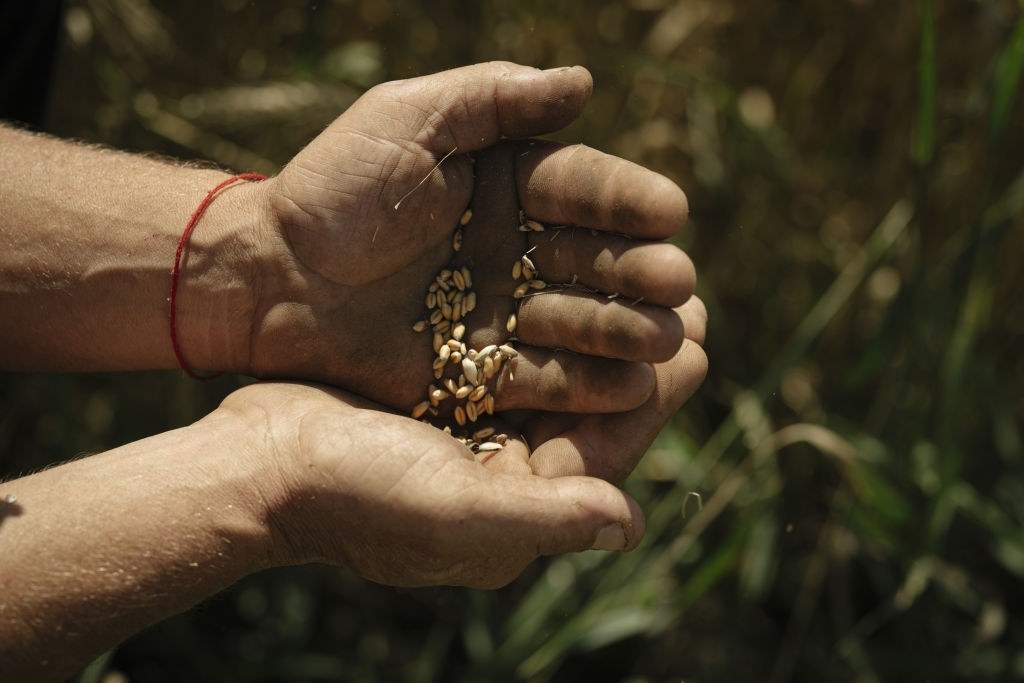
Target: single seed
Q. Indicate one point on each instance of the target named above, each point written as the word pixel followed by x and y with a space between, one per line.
pixel 517 270
pixel 470 303
pixel 527 263
pixel 511 324
pixel 471 412
pixel 469 370
pixel 478 393
pixel 446 310
pixel 463 392
pixel 442 326
pixel 467 216
pixel 485 352
pixel 438 372
pixel 529 273
pixel 439 362
pixel 489 446
pixel 447 429
pixel 450 385
pixel 431 300
pixel 453 344
pixel 483 433
pixel 501 438
pixel 508 350
pixel 458 331
pixel 456 358
pixel 466 276
pixel 489 405
pixel 438 395
pixel 535 226
pixel 472 354
pixel 436 317
pixel 433 286
pixel 459 281
pixel 419 326
pixel 521 290
pixel 462 348
pixel 460 416
pixel 420 409
pixel 488 368
pixel 538 284
pixel 457 298
pixel 457 240
pixel 444 352
pixel 438 341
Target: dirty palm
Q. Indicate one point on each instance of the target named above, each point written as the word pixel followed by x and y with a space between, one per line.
pixel 455 200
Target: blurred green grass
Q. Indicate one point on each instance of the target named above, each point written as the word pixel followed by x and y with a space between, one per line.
pixel 843 499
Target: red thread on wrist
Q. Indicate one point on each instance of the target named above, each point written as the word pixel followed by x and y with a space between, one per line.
pixel 176 270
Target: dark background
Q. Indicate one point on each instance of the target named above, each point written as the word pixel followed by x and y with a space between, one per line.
pixel 842 501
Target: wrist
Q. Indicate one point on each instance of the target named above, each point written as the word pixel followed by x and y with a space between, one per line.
pixel 220 282
pixel 237 468
pixel 261 424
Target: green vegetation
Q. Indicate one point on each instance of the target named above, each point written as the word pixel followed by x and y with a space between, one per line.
pixel 842 501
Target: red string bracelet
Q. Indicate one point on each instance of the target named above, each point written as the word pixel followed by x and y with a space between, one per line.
pixel 176 270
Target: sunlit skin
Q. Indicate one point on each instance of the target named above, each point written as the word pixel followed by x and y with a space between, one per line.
pixel 315 275
pixel 358 260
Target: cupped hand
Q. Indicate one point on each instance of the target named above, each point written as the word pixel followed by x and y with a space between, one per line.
pixel 403 503
pixel 364 219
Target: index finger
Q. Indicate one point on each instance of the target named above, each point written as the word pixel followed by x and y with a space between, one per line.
pixel 578 185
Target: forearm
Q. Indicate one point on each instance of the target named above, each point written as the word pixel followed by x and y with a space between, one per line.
pixel 94 550
pixel 87 241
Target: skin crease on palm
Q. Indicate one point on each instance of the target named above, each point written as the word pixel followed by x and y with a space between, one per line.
pixel 362 260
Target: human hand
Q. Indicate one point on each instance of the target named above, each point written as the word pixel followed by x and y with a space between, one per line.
pixel 403 503
pixel 362 221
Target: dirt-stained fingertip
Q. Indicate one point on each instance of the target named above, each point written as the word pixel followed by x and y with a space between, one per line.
pixel 531 102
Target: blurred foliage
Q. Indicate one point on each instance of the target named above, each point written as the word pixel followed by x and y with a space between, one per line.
pixel 843 499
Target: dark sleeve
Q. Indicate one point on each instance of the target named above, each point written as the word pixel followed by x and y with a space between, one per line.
pixel 29 34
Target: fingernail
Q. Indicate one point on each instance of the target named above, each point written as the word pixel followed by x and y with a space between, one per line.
pixel 557 69
pixel 611 537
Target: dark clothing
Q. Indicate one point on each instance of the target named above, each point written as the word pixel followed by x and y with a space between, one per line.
pixel 29 34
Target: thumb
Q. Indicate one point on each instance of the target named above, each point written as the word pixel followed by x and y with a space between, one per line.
pixel 568 514
pixel 473 107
